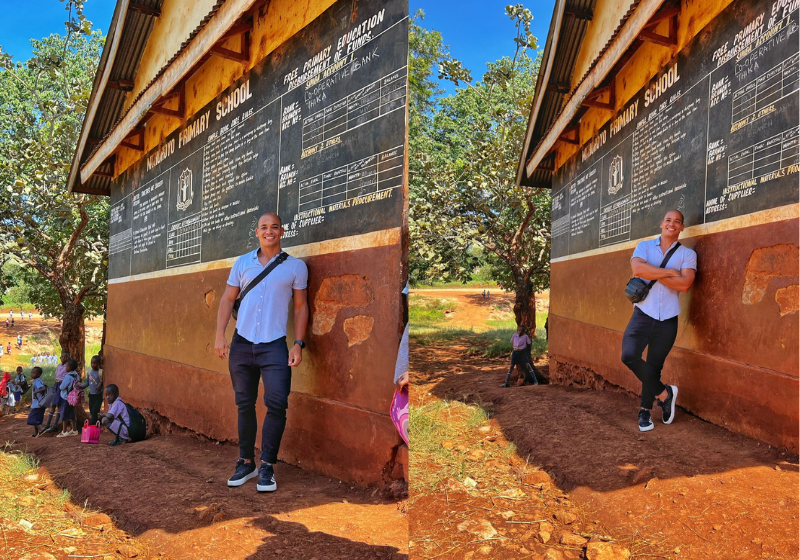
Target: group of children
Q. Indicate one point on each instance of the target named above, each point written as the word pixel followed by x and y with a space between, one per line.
pixel 44 359
pixel 64 396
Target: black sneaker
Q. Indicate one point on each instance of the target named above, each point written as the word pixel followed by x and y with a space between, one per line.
pixel 668 405
pixel 645 423
pixel 117 441
pixel 266 479
pixel 244 471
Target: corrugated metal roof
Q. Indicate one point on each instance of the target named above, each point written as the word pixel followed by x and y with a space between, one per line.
pixel 555 95
pixel 111 107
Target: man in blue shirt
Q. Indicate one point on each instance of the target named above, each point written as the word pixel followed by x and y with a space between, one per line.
pixel 258 350
pixel 654 324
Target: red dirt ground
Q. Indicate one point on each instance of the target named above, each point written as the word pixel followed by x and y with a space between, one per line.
pixel 689 490
pixel 692 489
pixel 170 493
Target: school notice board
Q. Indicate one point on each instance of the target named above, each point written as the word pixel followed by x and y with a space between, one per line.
pixel 315 132
pixel 715 135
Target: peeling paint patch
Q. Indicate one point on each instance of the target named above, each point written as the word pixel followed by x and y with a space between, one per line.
pixel 787 299
pixel 210 297
pixel 765 264
pixel 335 293
pixel 358 329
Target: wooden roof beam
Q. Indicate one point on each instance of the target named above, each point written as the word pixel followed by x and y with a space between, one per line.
pixel 585 15
pixel 562 88
pixel 228 15
pixel 122 85
pixel 626 36
pixel 242 57
pixel 142 9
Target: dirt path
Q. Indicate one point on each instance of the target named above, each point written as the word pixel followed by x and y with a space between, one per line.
pixel 170 493
pixel 689 490
pixel 471 310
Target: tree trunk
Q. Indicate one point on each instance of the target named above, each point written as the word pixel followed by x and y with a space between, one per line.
pixel 72 337
pixel 525 305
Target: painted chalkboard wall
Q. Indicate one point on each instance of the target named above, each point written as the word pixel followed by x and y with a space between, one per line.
pixel 715 135
pixel 316 131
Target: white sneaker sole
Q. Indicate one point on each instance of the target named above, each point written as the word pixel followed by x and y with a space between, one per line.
pixel 674 399
pixel 234 483
pixel 267 487
pixel 646 429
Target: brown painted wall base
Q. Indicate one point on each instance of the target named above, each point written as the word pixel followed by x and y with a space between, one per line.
pixel 319 435
pixel 736 356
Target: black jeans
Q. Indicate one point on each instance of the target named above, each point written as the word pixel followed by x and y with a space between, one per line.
pixel 658 336
pixel 95 403
pixel 249 363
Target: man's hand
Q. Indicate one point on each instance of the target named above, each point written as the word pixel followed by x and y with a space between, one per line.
pixel 295 356
pixel 221 346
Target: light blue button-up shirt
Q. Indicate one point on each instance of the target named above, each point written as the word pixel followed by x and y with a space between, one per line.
pixel 265 310
pixel 661 302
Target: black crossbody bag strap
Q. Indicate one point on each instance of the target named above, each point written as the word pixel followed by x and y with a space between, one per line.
pixel 263 274
pixel 667 257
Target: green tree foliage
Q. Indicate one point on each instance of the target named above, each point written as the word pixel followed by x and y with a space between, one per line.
pixel 431 257
pixel 465 192
pixel 61 239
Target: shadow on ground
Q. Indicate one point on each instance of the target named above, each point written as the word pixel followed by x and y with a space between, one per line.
pixel 702 490
pixel 170 492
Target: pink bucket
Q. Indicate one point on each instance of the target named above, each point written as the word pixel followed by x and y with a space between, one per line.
pixel 399 412
pixel 90 434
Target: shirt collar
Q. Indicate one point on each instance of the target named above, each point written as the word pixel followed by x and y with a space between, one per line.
pixel 658 243
pixel 255 257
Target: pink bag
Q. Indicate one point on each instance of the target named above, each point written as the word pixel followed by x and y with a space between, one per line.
pixel 90 434
pixel 399 412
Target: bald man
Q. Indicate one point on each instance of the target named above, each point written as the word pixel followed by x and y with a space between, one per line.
pixel 258 350
pixel 654 324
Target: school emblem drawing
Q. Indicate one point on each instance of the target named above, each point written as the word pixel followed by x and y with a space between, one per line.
pixel 185 191
pixel 615 176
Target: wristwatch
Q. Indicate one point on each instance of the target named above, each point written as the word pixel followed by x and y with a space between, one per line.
pixel 301 343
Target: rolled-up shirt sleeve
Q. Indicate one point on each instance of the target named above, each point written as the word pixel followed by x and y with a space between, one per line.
pixel 690 260
pixel 300 276
pixel 640 251
pixel 235 276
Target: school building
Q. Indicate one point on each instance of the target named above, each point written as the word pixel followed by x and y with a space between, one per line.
pixel 203 116
pixel 645 106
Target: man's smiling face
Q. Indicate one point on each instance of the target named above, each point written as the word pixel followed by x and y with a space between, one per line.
pixel 269 230
pixel 672 224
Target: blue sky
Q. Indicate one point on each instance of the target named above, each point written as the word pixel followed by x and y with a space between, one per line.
pixel 26 19
pixel 477 31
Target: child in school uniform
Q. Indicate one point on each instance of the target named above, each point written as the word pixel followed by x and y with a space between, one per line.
pixel 117 418
pixel 61 371
pixel 67 410
pixel 6 393
pixel 19 382
pixel 36 415
pixel 94 380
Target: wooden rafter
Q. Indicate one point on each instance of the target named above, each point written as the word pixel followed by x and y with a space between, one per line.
pixel 222 22
pixel 671 39
pixel 562 88
pixel 579 14
pixel 592 99
pixel 180 93
pixel 241 56
pixel 573 128
pixel 142 9
pixel 137 133
pixel 122 85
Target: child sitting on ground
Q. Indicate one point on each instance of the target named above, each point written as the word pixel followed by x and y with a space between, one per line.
pixel 117 418
pixel 36 415
pixel 67 410
pixel 94 380
pixel 520 356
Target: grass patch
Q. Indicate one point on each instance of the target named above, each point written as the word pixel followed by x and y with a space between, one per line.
pixel 430 425
pixel 425 310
